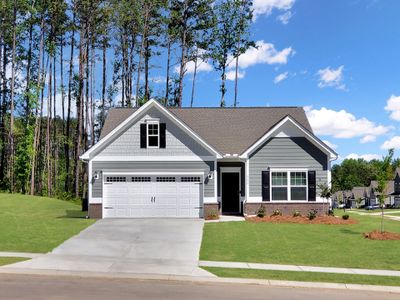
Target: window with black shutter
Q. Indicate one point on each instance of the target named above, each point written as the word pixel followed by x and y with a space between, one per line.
pixel 143 136
pixel 162 135
pixel 312 186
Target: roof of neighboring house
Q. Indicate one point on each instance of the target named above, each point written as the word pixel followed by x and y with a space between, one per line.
pixel 228 130
pixel 359 192
pixel 390 186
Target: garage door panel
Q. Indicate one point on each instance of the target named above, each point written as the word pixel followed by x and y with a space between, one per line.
pixel 153 196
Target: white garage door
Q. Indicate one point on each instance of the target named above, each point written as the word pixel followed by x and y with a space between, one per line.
pixel 152 196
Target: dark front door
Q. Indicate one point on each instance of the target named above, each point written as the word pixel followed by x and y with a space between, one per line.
pixel 230 193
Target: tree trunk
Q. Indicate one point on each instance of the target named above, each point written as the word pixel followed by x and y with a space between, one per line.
pixel 79 106
pixel 223 88
pixel 68 124
pixel 3 133
pixel 146 70
pixel 38 119
pixel 144 35
pixel 236 81
pixel 183 54
pixel 11 134
pixel 103 86
pixel 48 131
pixel 194 81
pixel 167 77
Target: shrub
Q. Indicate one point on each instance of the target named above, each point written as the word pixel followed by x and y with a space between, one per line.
pixel 345 217
pixel 312 214
pixel 331 213
pixel 261 212
pixel 277 212
pixel 296 213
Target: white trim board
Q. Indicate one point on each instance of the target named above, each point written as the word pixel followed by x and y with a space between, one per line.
pixel 141 110
pixel 332 154
pixel 153 158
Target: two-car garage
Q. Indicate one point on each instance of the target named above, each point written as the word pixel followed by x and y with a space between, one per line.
pixel 152 195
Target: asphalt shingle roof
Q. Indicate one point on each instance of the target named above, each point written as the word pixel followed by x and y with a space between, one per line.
pixel 228 130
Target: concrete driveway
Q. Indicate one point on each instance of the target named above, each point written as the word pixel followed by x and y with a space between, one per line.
pixel 146 246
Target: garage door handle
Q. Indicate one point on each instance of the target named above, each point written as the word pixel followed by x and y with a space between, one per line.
pixel 108 207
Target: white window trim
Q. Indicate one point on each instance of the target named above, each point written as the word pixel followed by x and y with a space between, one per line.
pixel 288 185
pixel 152 122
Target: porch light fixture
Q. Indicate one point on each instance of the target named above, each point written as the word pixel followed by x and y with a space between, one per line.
pixel 210 175
pixel 96 175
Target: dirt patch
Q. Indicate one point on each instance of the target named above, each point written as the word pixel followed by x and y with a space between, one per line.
pixel 381 236
pixel 328 220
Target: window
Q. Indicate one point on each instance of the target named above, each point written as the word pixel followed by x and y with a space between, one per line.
pixel 289 185
pixel 165 179
pixel 115 179
pixel 190 179
pixel 141 179
pixel 153 135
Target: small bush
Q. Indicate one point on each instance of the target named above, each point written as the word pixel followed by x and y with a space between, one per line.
pixel 276 212
pixel 261 212
pixel 296 213
pixel 212 215
pixel 312 214
pixel 345 217
pixel 331 213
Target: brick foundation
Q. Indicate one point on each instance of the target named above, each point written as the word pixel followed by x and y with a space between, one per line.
pixel 210 209
pixel 286 208
pixel 95 211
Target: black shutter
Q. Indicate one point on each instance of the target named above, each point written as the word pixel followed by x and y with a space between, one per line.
pixel 162 135
pixel 312 188
pixel 265 185
pixel 143 136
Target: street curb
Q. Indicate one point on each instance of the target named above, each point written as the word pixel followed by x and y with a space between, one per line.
pixel 205 280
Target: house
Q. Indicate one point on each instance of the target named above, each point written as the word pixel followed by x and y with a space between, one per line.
pixel 351 197
pixel 392 191
pixel 195 162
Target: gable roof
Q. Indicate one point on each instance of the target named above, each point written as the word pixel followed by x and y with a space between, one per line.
pixel 228 130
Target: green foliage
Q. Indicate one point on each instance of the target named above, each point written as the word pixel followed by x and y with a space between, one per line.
pixel 296 213
pixel 312 214
pixel 261 212
pixel 277 212
pixel 345 217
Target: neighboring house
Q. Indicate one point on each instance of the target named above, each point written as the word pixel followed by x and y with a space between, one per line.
pixel 392 192
pixel 351 197
pixel 193 162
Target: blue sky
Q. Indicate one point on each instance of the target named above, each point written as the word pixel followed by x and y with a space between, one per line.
pixel 339 59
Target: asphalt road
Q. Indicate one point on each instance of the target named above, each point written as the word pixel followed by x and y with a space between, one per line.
pixel 60 287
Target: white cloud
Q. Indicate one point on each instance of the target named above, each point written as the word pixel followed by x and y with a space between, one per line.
pixel 265 7
pixel 332 145
pixel 342 124
pixel 330 77
pixel 230 75
pixel 281 77
pixel 264 53
pixel 158 79
pixel 367 157
pixel 368 139
pixel 393 106
pixel 202 66
pixel 394 143
pixel 285 17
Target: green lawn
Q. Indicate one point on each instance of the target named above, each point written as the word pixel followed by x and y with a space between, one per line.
pixel 305 276
pixel 302 244
pixel 37 224
pixel 10 260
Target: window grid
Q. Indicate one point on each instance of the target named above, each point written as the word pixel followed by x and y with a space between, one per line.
pixel 141 179
pixel 165 179
pixel 153 135
pixel 115 179
pixel 287 184
pixel 190 179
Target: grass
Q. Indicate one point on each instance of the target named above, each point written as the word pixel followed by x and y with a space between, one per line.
pixel 10 260
pixel 37 224
pixel 302 244
pixel 305 276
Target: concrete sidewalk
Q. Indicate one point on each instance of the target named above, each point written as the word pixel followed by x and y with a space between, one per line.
pixel 256 266
pixel 20 254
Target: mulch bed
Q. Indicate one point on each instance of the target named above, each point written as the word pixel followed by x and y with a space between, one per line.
pixel 381 236
pixel 328 220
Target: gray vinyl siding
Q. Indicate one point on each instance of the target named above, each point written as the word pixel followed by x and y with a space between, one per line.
pixel 178 142
pixel 286 153
pixel 206 167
